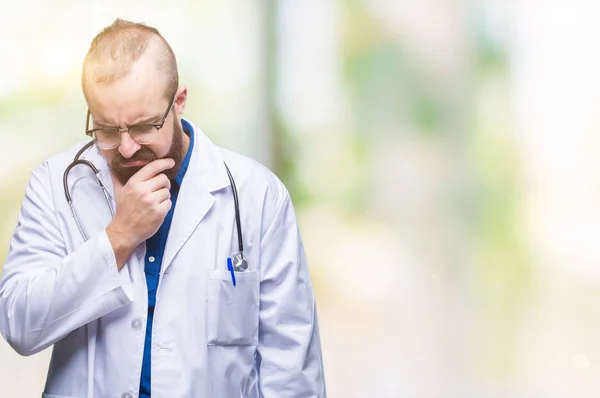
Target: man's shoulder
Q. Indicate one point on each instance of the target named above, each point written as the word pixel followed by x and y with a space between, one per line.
pixel 251 176
pixel 56 163
pixel 65 157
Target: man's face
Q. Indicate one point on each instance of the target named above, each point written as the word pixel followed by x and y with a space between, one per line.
pixel 124 168
pixel 138 98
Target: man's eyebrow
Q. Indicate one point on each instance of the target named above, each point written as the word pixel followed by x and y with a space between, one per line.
pixel 102 124
pixel 148 120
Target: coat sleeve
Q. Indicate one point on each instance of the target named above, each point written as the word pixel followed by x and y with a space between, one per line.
pixel 45 292
pixel 289 351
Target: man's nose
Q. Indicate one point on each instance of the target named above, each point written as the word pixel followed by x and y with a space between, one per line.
pixel 128 146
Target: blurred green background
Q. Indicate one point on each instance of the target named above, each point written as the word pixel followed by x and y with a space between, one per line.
pixel 442 156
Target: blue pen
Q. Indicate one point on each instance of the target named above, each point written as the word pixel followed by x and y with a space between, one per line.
pixel 230 268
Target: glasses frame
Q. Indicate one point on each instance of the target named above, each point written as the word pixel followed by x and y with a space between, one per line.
pixel 120 130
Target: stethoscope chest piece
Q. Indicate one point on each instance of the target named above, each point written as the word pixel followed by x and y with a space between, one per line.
pixel 240 264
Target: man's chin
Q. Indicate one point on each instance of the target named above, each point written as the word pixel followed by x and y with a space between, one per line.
pixel 123 174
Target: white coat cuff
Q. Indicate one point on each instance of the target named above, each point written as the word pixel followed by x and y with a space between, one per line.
pixel 123 278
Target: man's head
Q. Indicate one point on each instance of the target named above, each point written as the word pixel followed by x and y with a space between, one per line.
pixel 130 79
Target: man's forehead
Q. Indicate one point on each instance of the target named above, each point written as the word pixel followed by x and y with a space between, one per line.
pixel 116 105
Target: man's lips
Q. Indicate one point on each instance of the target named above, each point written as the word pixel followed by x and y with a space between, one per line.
pixel 135 163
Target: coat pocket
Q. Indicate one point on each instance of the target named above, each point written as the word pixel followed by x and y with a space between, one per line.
pixel 233 310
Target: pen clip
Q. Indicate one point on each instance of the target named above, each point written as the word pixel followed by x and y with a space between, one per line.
pixel 231 271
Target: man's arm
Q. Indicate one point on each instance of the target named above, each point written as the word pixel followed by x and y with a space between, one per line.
pixel 289 351
pixel 46 293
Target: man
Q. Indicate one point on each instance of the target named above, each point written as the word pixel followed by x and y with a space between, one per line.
pixel 155 301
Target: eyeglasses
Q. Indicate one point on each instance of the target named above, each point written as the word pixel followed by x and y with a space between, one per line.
pixel 110 137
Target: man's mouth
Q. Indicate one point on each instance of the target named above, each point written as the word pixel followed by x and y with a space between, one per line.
pixel 134 163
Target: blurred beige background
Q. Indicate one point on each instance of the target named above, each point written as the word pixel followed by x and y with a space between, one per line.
pixel 443 157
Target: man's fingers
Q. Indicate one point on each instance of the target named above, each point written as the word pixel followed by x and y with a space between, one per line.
pixel 159 181
pixel 152 169
pixel 165 206
pixel 161 195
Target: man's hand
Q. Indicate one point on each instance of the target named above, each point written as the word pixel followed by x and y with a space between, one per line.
pixel 142 205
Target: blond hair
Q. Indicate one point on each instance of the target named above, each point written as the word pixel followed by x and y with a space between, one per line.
pixel 118 46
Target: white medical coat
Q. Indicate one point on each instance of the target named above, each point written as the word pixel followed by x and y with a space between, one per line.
pixel 209 338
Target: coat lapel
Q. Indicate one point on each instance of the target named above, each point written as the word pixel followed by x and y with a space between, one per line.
pixel 206 174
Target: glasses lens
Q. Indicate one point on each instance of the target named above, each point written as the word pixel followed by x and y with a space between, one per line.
pixel 143 134
pixel 107 138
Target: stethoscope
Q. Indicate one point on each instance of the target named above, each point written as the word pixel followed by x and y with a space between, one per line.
pixel 238 260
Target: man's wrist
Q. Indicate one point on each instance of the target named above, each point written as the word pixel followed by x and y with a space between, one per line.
pixel 122 243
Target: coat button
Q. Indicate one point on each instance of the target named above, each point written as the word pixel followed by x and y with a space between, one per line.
pixel 136 324
pixel 126 395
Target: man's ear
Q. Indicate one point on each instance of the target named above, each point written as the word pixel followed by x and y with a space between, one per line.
pixel 180 100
